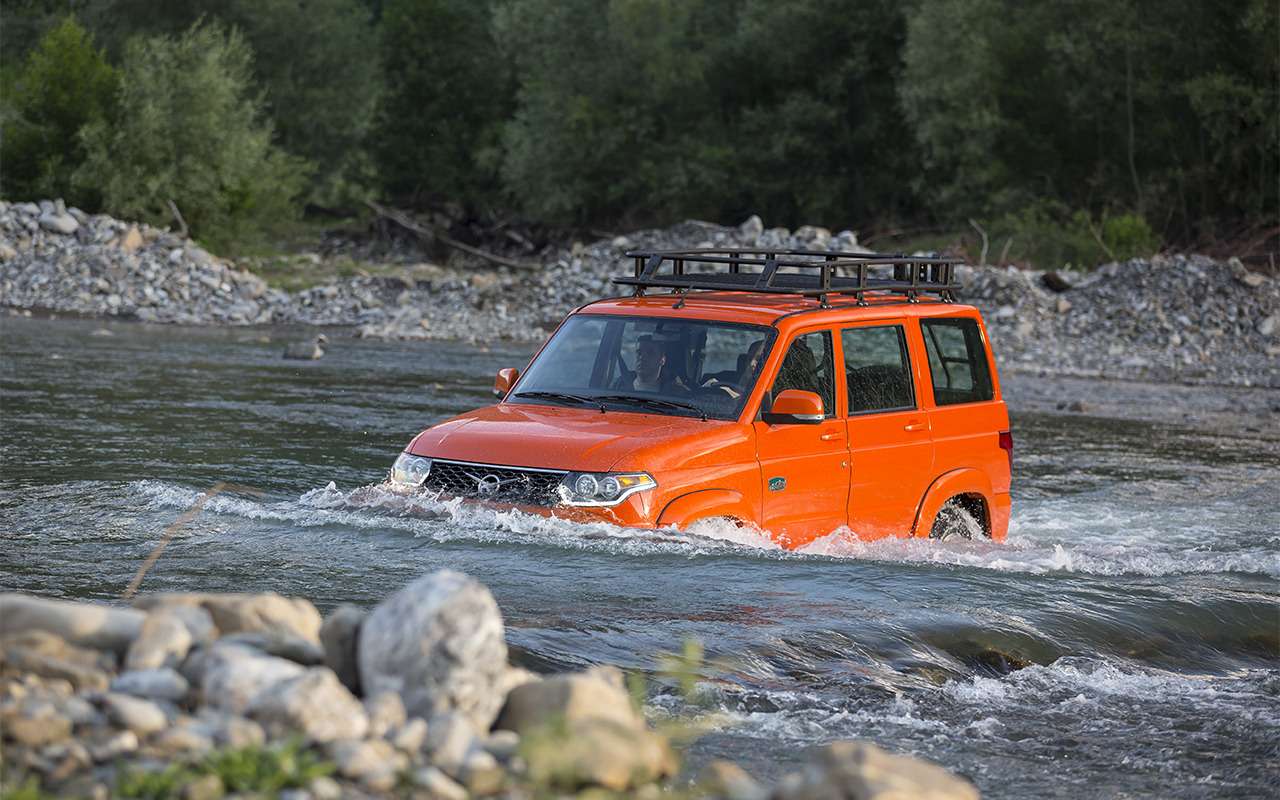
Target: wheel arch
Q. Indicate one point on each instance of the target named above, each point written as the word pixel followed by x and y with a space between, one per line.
pixel 704 503
pixel 971 487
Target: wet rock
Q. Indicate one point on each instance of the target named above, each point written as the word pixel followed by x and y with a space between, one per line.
pixel 439 643
pixel 596 694
pixel 862 771
pixel 152 684
pixel 314 703
pixel 232 676
pixel 339 636
pixel 726 780
pixel 82 624
pixel 237 613
pixel 143 717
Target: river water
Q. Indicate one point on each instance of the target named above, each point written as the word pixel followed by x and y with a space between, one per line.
pixel 1140 584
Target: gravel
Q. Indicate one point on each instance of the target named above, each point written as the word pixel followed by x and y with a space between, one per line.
pixel 1184 319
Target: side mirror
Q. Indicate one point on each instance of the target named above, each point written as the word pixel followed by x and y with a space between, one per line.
pixel 794 407
pixel 507 378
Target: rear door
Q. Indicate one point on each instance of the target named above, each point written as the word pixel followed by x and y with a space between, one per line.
pixel 891 448
pixel 967 415
pixel 804 468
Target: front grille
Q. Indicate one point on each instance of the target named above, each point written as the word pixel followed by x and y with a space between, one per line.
pixel 501 484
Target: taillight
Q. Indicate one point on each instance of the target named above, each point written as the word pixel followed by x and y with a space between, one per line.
pixel 1006 444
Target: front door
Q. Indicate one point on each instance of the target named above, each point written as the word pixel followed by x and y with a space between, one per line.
pixel 890 443
pixel 804 468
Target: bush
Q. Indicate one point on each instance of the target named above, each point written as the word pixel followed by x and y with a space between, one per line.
pixel 64 84
pixel 1046 234
pixel 188 130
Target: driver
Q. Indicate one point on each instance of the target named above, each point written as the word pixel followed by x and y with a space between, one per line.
pixel 650 374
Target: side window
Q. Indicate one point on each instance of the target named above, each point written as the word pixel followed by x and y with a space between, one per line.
pixel 877 369
pixel 957 361
pixel 809 365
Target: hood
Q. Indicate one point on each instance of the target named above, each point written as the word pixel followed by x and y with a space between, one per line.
pixel 553 437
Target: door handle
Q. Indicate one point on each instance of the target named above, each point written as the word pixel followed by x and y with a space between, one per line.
pixel 830 437
pixel 914 425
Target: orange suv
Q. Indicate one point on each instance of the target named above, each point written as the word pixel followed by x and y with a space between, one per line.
pixel 798 391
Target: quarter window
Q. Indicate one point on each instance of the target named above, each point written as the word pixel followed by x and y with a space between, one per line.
pixel 877 369
pixel 957 361
pixel 810 366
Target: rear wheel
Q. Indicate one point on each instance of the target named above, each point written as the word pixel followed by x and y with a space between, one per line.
pixel 954 521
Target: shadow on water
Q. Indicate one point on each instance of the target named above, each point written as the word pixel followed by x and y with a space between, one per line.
pixel 1125 640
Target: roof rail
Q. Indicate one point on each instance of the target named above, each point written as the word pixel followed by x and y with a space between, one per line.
pixel 811 273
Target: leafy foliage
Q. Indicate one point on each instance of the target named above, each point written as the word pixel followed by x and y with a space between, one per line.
pixel 189 130
pixel 64 85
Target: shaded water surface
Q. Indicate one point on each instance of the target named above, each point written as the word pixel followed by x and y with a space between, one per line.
pixel 1140 583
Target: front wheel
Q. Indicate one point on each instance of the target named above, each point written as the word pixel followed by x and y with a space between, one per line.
pixel 954 521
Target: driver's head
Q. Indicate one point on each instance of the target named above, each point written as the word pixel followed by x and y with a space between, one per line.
pixel 650 358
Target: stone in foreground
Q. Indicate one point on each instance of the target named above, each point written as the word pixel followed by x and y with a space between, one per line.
pixel 863 771
pixel 83 624
pixel 316 704
pixel 439 643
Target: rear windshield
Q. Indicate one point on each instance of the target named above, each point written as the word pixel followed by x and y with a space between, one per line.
pixel 653 365
pixel 957 361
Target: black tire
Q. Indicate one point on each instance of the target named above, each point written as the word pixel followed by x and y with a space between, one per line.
pixel 954 521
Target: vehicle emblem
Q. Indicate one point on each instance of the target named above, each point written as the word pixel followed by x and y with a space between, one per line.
pixel 488 485
pixel 777 484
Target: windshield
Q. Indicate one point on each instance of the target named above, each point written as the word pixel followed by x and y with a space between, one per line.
pixel 650 364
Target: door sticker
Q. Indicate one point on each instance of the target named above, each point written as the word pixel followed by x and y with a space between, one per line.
pixel 777 484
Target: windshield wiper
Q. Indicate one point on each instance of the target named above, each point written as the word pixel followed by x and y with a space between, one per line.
pixel 571 398
pixel 652 402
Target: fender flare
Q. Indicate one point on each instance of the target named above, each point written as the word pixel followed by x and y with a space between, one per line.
pixel 688 508
pixel 946 486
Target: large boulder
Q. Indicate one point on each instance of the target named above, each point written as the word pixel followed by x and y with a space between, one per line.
pixel 595 694
pixel 863 771
pixel 315 704
pixel 247 613
pixel 83 624
pixel 439 643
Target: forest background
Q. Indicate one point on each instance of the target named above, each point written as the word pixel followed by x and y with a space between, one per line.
pixel 1074 131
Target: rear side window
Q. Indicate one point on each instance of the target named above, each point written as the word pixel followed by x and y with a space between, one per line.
pixel 809 365
pixel 957 361
pixel 877 370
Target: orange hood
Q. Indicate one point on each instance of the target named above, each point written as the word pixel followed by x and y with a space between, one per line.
pixel 556 437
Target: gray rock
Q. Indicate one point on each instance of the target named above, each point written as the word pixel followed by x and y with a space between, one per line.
pixel 410 737
pixel 282 645
pixel 82 624
pixel 863 771
pixel 325 788
pixel 726 780
pixel 373 762
pixel 751 229
pixel 315 704
pixel 438 785
pixel 106 747
pixel 438 643
pixel 181 739
pixel 143 717
pixel 155 684
pixel 569 698
pixel 236 613
pixel 450 738
pixel 37 652
pixel 58 223
pixel 386 713
pixel 1267 326
pixel 339 635
pixel 502 745
pixel 230 730
pixel 167 635
pixel 232 676
pixel 35 722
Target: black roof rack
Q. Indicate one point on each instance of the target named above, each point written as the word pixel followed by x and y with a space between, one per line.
pixel 811 273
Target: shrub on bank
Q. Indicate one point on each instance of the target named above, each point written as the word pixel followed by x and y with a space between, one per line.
pixel 188 131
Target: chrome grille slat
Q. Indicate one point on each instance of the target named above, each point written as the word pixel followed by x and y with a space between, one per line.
pixel 521 485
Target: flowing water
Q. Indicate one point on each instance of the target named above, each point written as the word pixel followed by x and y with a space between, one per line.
pixel 1140 584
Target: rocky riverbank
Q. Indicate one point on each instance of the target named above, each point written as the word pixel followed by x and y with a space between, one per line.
pixel 197 696
pixel 1184 319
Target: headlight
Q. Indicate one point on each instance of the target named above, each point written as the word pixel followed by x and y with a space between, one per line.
pixel 410 470
pixel 602 488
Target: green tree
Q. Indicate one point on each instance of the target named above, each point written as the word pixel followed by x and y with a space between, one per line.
pixel 315 62
pixel 447 92
pixel 64 84
pixel 190 131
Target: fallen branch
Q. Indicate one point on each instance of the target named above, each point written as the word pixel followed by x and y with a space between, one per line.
pixel 404 221
pixel 982 262
pixel 182 223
